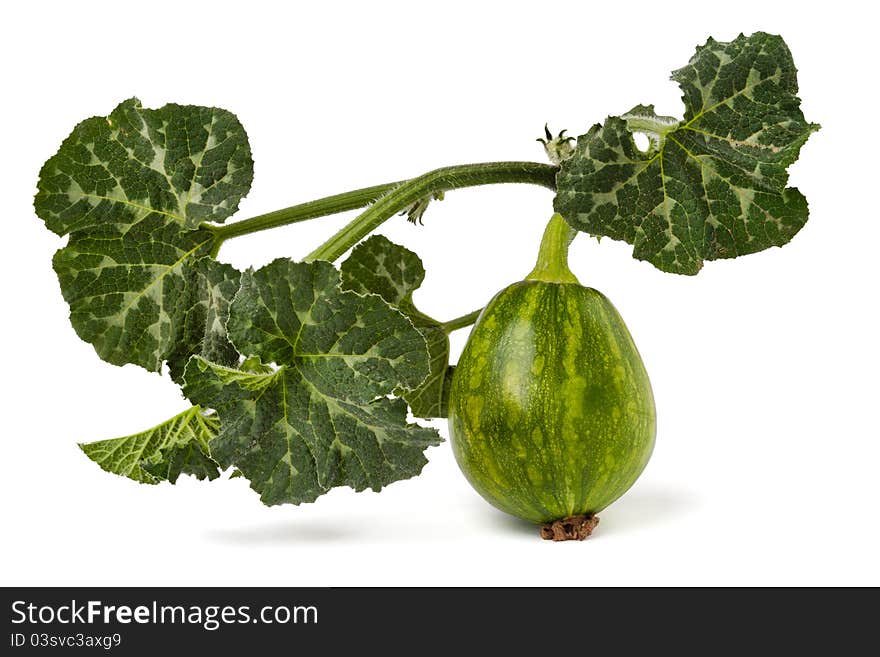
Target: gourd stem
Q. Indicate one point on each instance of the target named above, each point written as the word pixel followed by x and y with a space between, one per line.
pixel 426 186
pixel 552 264
pixel 321 207
pixel 460 322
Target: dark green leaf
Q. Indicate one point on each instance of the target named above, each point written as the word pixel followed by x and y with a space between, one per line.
pixel 431 399
pixel 379 266
pixel 185 163
pixel 147 293
pixel 211 288
pixel 711 186
pixel 321 418
pixel 132 189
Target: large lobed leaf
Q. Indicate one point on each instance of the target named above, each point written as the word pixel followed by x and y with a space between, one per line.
pixel 131 189
pixel 186 163
pixel 379 266
pixel 177 446
pixel 148 294
pixel 711 186
pixel 322 416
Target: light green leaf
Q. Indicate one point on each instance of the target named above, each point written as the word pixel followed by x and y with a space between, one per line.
pixel 147 293
pixel 185 163
pixel 379 266
pixel 177 446
pixel 321 418
pixel 711 186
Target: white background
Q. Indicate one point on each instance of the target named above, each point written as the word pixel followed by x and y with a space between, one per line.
pixel 764 368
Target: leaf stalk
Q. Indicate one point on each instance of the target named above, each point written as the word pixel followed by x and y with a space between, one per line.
pixel 321 207
pixel 460 322
pixel 433 182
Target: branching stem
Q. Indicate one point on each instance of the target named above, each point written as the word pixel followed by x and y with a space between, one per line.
pixel 433 182
pixel 321 207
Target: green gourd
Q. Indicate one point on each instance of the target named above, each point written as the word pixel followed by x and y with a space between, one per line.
pixel 551 412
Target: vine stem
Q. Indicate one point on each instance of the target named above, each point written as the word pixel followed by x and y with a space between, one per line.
pixel 460 322
pixel 433 182
pixel 321 207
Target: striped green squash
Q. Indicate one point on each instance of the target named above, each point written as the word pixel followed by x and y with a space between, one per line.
pixel 551 413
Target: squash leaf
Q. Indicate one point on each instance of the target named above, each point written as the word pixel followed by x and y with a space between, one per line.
pixel 147 293
pixel 177 446
pixel 710 186
pixel 131 189
pixel 379 266
pixel 188 164
pixel 321 416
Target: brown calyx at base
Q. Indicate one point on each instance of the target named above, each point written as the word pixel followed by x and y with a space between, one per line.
pixel 575 528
